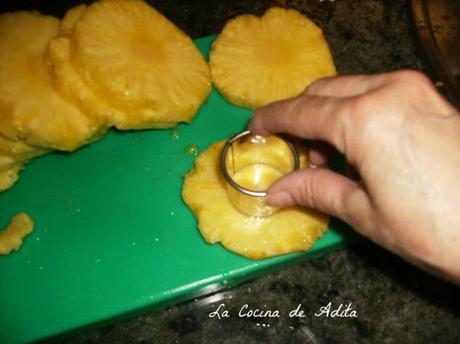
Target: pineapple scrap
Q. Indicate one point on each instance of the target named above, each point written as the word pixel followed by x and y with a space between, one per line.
pixel 30 108
pixel 289 230
pixel 124 62
pixel 9 177
pixel 11 237
pixel 255 61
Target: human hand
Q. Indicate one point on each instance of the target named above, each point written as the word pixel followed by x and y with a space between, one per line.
pixel 403 138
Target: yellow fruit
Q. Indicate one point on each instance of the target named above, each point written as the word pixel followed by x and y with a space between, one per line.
pixel 67 81
pixel 289 230
pixel 13 156
pixel 255 61
pixel 140 70
pixel 30 108
pixel 70 85
pixel 19 150
pixel 9 177
pixel 70 18
pixel 12 236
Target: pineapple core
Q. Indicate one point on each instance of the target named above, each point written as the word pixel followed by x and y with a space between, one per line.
pixel 257 177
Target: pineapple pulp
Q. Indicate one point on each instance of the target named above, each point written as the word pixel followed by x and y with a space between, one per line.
pixel 129 64
pixel 30 108
pixel 13 156
pixel 289 230
pixel 67 81
pixel 70 18
pixel 254 177
pixel 257 177
pixel 254 163
pixel 11 237
pixel 18 151
pixel 255 61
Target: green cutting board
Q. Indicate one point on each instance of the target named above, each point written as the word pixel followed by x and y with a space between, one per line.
pixel 112 236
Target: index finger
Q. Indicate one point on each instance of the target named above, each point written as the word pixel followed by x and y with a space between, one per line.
pixel 306 116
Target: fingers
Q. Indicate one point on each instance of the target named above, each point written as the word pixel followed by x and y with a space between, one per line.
pixel 311 117
pixel 318 113
pixel 324 190
pixel 319 153
pixel 346 85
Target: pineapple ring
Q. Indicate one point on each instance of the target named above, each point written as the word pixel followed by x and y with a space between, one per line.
pixel 255 61
pixel 289 230
pixel 30 108
pixel 139 63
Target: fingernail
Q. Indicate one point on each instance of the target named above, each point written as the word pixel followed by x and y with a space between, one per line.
pixel 280 199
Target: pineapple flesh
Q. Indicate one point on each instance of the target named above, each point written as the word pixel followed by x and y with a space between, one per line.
pixel 289 230
pixel 71 87
pixel 13 157
pixel 131 65
pixel 67 81
pixel 12 236
pixel 30 108
pixel 18 150
pixel 255 61
pixel 70 19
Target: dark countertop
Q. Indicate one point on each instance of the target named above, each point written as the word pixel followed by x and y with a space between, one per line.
pixel 395 302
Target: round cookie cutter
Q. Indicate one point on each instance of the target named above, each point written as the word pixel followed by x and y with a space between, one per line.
pixel 247 201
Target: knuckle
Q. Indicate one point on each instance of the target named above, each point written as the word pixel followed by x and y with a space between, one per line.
pixel 358 118
pixel 412 78
pixel 303 193
pixel 310 191
pixel 358 108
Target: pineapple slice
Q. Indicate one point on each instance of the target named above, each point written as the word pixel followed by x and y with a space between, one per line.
pixel 132 65
pixel 70 19
pixel 289 230
pixel 255 61
pixel 13 156
pixel 30 108
pixel 17 151
pixel 71 87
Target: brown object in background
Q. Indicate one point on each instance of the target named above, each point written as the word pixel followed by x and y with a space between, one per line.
pixel 438 26
pixel 281 2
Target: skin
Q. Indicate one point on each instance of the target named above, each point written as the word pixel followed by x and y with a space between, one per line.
pixel 402 138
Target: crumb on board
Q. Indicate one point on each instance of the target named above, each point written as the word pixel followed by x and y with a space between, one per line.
pixel 11 237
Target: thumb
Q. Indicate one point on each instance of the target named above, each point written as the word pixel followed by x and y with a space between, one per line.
pixel 323 190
